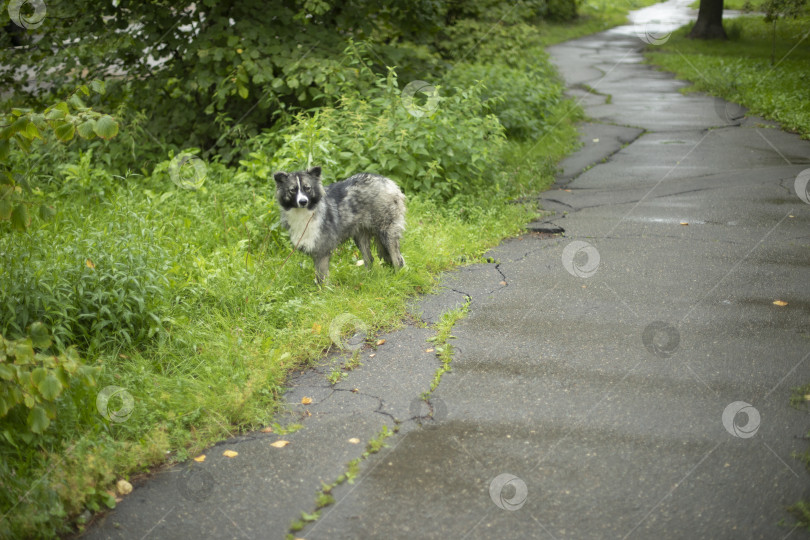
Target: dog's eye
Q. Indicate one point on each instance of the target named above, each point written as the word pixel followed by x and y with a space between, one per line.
pixel 306 188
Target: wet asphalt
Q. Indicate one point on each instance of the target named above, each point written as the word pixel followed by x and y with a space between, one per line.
pixel 626 378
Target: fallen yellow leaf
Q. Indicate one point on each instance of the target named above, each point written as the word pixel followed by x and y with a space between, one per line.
pixel 268 429
pixel 280 443
pixel 89 263
pixel 780 303
pixel 354 440
pixel 123 487
pixel 428 350
pixel 306 400
pixel 807 397
pixel 372 355
pixel 355 390
pixel 230 453
pixel 200 458
pixel 684 223
pixel 380 342
pixel 503 283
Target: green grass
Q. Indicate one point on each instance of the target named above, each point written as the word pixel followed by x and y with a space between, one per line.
pixel 243 311
pixel 740 70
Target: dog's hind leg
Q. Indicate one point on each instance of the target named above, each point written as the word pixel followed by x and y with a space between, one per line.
pixel 396 256
pixel 382 248
pixel 363 241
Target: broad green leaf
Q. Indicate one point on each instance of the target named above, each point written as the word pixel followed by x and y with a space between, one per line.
pixel 64 132
pixel 5 209
pixel 6 372
pixel 23 351
pixel 106 127
pixel 20 219
pixel 38 421
pixel 5 146
pixel 38 375
pixel 4 408
pixel 97 86
pixel 85 89
pixel 243 91
pixel 107 499
pixel 40 337
pixel 50 387
pixel 76 102
pixel 55 114
pixel 31 132
pixel 19 125
pixel 8 437
pixel 85 129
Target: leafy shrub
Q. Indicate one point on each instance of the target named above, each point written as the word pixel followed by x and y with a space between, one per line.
pixel 451 151
pixel 561 10
pixel 522 98
pixel 30 377
pixel 89 283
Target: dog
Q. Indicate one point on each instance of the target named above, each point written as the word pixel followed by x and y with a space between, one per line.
pixel 362 207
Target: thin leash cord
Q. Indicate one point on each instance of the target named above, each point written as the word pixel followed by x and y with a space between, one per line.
pixel 293 249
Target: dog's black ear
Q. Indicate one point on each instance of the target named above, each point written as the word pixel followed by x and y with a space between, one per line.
pixel 315 171
pixel 280 177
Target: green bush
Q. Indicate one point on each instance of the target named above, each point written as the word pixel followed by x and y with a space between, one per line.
pixel 96 278
pixel 449 151
pixel 562 10
pixel 523 98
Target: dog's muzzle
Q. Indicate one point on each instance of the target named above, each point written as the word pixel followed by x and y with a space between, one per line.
pixel 302 201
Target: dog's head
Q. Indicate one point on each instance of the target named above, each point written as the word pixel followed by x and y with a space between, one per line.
pixel 300 189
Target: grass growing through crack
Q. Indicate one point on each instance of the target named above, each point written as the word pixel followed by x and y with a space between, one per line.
pixel 441 344
pixel 324 497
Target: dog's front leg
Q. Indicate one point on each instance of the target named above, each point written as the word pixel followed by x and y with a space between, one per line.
pixel 321 267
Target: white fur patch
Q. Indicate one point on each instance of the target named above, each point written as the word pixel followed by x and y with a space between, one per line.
pixel 301 234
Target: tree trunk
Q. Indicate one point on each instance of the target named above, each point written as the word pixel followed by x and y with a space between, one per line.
pixel 709 23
